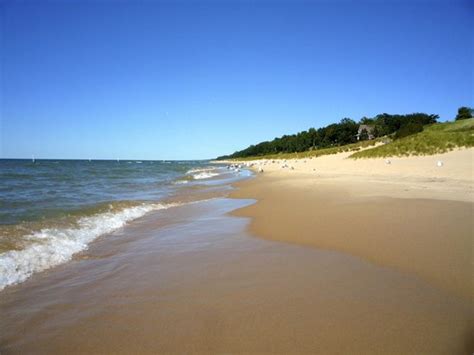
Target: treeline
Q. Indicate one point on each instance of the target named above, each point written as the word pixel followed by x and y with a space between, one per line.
pixel 464 113
pixel 342 133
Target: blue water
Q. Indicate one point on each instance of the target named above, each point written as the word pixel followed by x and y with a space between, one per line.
pixel 52 209
pixel 47 188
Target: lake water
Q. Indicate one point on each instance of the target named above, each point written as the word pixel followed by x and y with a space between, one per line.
pixel 53 209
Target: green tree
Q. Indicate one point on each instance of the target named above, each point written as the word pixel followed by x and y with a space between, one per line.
pixel 408 130
pixel 367 121
pixel 376 132
pixel 345 132
pixel 313 135
pixel 464 113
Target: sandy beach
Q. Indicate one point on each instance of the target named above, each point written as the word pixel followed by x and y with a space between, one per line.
pixel 410 177
pixel 292 261
pixel 410 214
pixel 198 283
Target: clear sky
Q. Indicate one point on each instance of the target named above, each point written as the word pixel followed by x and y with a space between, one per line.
pixel 197 79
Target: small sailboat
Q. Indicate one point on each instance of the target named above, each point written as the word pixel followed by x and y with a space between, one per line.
pixel 33 159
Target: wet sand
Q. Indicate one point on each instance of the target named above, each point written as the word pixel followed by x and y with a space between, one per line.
pixel 192 280
pixel 430 238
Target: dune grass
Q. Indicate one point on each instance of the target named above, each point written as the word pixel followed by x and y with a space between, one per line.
pixel 314 153
pixel 434 139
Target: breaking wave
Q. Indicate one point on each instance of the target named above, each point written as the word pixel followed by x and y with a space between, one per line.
pixel 202 173
pixel 50 247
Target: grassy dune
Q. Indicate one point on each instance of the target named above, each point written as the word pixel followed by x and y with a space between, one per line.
pixel 434 139
pixel 314 153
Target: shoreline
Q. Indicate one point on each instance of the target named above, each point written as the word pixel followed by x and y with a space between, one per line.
pixel 196 279
pixel 176 283
pixel 32 245
pixel 421 224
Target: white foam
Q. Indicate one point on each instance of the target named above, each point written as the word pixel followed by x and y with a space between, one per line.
pixel 204 175
pixel 180 182
pixel 51 247
pixel 199 170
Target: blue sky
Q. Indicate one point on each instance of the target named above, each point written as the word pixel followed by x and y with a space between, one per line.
pixel 197 79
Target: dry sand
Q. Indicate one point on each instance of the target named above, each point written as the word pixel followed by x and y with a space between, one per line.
pixel 396 177
pixel 411 214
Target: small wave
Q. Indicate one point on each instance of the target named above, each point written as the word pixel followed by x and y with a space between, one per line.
pixel 199 170
pixel 204 175
pixel 180 182
pixel 53 246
